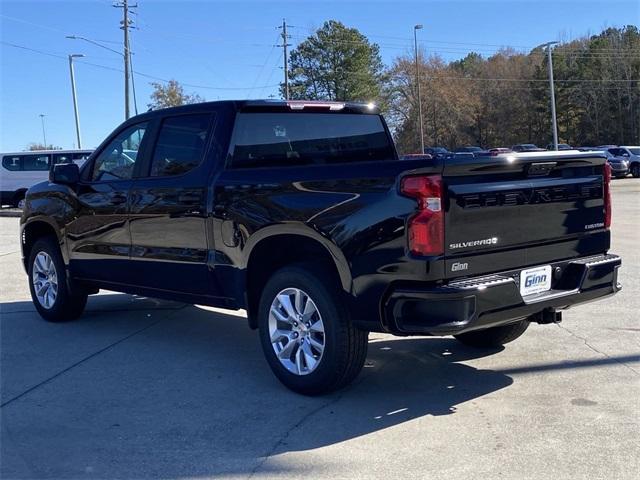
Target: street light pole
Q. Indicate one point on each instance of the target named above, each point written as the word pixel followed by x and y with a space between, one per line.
pixel 415 44
pixel 554 121
pixel 44 135
pixel 73 93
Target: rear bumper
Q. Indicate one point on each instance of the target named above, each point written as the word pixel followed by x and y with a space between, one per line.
pixel 488 301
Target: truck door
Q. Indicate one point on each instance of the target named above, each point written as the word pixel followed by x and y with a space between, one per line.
pixel 168 213
pixel 98 236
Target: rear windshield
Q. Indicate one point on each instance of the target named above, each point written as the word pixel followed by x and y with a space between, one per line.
pixel 284 139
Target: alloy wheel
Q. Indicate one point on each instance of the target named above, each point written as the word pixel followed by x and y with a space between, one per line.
pixel 45 280
pixel 296 331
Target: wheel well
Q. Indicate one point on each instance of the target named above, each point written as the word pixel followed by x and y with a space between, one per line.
pixel 31 233
pixel 276 252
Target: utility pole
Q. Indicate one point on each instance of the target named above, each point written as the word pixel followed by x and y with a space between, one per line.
pixel 44 135
pixel 73 93
pixel 284 45
pixel 133 82
pixel 415 43
pixel 125 28
pixel 554 121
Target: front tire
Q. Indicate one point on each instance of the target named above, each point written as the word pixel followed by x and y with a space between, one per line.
pixel 494 337
pixel 635 170
pixel 48 283
pixel 306 333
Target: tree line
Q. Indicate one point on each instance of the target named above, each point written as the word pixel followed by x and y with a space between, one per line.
pixel 490 101
pixel 505 99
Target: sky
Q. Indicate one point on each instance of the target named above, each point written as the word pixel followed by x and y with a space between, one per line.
pixel 226 50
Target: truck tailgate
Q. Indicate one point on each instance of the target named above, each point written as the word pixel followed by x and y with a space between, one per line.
pixel 521 210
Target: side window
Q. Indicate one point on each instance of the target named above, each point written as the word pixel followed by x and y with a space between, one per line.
pixel 12 162
pixel 181 144
pixel 31 163
pixel 117 160
pixel 80 156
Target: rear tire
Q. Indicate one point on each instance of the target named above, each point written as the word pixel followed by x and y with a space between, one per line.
pixel 301 310
pixel 635 170
pixel 494 337
pixel 48 283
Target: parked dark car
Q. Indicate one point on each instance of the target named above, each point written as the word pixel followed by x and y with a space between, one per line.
pixel 561 146
pixel 416 156
pixel 499 151
pixel 302 214
pixel 527 147
pixel 476 151
pixel 458 155
pixel 437 152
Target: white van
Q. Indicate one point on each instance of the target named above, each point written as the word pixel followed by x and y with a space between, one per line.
pixel 21 170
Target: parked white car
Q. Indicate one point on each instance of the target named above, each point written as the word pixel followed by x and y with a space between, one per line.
pixel 21 170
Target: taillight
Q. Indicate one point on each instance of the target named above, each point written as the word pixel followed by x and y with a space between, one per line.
pixel 426 228
pixel 606 193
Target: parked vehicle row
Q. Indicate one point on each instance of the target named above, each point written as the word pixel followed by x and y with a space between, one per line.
pixel 301 213
pixel 21 170
pixel 624 160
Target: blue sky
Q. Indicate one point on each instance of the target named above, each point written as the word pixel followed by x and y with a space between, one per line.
pixel 226 49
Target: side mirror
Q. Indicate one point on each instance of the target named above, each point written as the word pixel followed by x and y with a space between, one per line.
pixel 65 174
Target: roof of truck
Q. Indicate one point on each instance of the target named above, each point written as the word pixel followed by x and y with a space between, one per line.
pixel 285 105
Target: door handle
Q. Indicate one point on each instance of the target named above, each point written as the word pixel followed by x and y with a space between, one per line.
pixel 118 199
pixel 189 198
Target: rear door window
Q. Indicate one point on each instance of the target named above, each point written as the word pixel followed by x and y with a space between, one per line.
pixel 61 158
pixel 36 162
pixel 181 144
pixel 284 139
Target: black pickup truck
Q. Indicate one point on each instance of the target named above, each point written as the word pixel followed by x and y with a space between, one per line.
pixel 302 214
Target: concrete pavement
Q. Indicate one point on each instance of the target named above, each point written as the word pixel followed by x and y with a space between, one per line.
pixel 140 388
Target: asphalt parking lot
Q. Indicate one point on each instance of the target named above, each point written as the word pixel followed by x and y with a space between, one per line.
pixel 140 388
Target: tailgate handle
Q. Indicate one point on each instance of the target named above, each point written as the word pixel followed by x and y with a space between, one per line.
pixel 539 169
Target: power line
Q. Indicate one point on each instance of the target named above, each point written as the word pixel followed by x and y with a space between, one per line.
pixel 275 67
pixel 141 74
pixel 407 41
pixel 263 67
pixel 488 52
